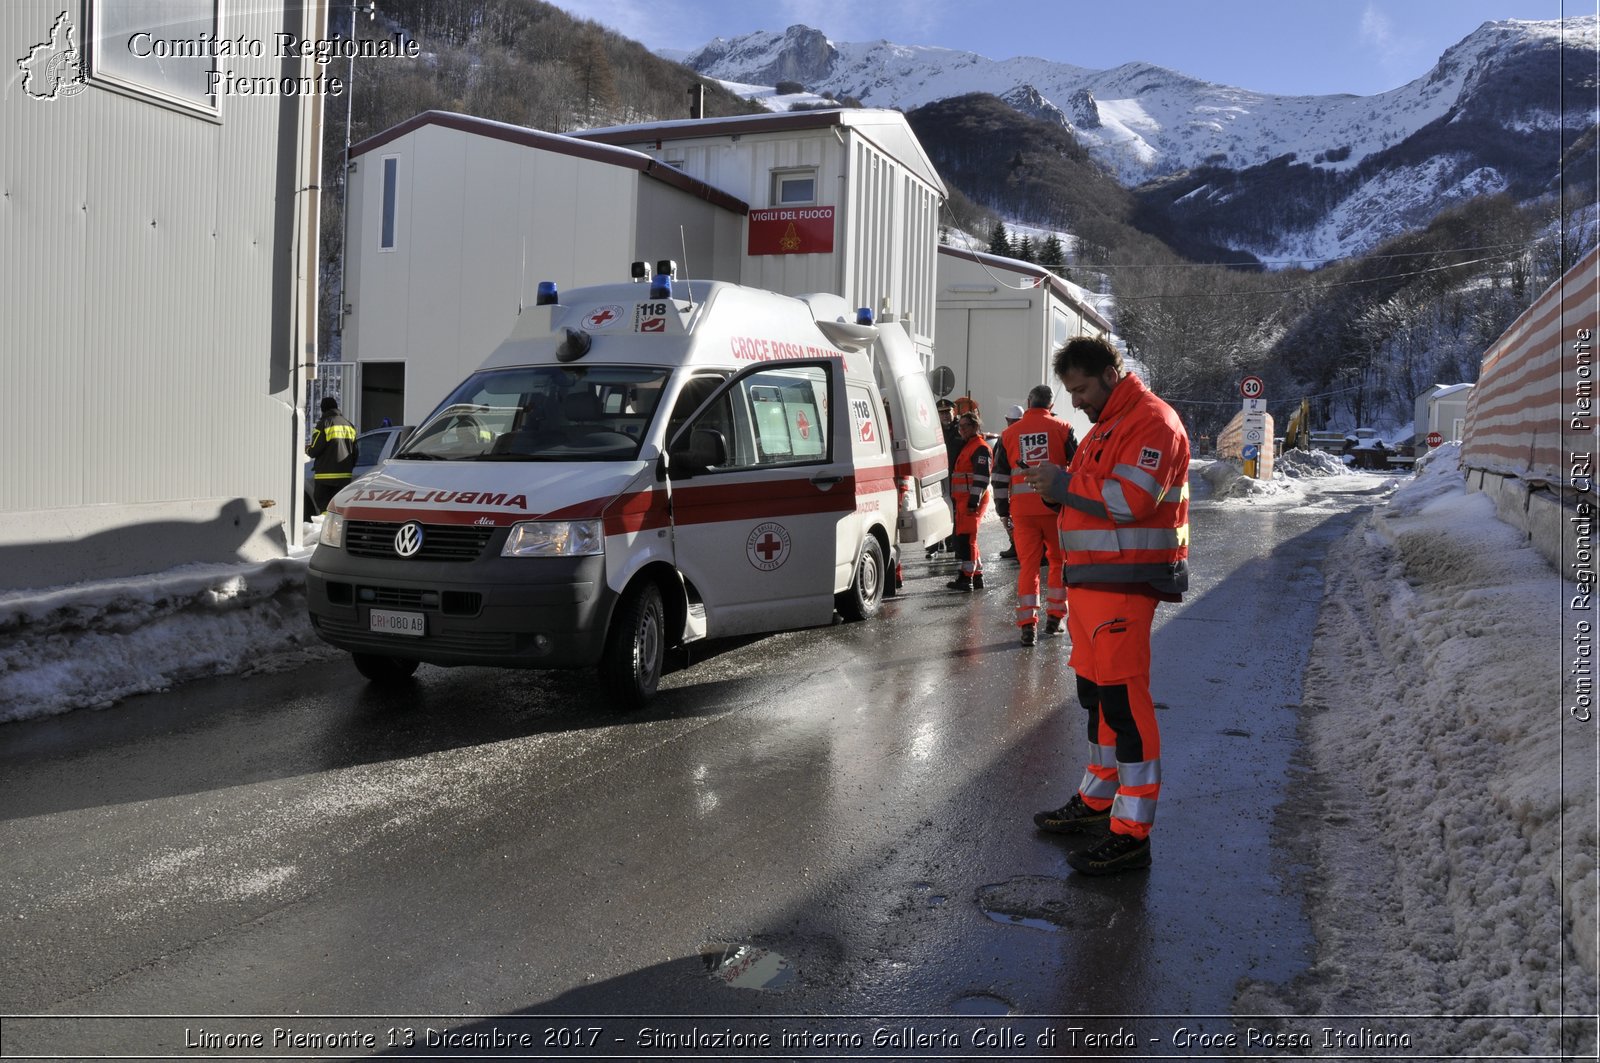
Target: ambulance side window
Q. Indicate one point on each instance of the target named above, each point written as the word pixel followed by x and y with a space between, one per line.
pixel 774 417
pixel 693 394
pixel 787 411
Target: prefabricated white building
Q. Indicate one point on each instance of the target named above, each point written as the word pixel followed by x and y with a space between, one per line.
pixel 158 285
pixel 1000 323
pixel 454 221
pixel 1443 409
pixel 841 200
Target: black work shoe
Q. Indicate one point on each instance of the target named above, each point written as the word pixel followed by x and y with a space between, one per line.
pixel 977 582
pixel 1052 625
pixel 1074 817
pixel 960 583
pixel 1028 636
pixel 1008 554
pixel 1120 852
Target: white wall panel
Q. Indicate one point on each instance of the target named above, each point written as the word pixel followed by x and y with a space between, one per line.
pixel 145 271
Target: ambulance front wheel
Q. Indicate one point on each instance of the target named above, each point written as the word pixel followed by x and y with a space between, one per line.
pixel 636 648
pixel 865 596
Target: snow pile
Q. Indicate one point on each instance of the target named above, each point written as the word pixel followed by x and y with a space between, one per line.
pixel 90 645
pixel 1448 848
pixel 1296 463
pixel 1228 480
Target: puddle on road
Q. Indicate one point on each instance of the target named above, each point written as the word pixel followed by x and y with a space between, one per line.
pixel 1235 732
pixel 1046 904
pixel 980 1004
pixel 748 967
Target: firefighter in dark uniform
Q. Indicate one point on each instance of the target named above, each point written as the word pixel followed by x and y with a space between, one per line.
pixel 332 451
pixel 969 493
pixel 952 448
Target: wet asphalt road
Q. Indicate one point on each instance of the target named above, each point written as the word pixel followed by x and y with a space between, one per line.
pixel 850 804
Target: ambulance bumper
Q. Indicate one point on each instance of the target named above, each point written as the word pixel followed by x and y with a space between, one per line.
pixel 931 523
pixel 506 612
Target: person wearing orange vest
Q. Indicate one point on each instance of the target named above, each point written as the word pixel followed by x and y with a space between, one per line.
pixel 1125 528
pixel 1038 436
pixel 969 495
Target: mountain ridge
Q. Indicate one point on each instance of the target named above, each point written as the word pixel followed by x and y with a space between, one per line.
pixel 1148 124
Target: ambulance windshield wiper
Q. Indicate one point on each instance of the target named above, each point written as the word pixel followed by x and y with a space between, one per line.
pixel 518 457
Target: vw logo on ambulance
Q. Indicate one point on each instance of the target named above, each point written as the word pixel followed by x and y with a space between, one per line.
pixel 408 540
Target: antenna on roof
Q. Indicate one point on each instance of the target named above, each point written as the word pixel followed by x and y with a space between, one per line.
pixel 683 241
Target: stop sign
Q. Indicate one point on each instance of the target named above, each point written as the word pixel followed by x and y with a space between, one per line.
pixel 1434 439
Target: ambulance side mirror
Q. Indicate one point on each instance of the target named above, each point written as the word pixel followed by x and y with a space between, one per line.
pixel 705 449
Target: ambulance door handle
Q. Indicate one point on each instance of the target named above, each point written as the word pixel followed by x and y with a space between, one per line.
pixel 825 482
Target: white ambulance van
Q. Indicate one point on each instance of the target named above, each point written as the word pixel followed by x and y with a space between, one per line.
pixel 638 467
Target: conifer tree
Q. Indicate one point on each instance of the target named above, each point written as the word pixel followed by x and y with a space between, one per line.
pixel 1051 254
pixel 999 242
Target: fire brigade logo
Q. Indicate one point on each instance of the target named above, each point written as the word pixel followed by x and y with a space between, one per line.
pixel 768 546
pixel 602 317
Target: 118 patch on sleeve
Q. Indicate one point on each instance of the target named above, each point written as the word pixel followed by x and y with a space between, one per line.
pixel 1149 458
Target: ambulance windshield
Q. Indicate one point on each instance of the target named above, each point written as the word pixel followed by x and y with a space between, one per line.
pixel 542 413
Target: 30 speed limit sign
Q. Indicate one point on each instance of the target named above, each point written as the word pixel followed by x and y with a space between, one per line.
pixel 1252 387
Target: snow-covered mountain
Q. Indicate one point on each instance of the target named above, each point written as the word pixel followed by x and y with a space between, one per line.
pixel 1142 120
pixel 1145 122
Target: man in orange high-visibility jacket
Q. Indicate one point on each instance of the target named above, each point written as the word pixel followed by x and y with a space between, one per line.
pixel 1125 528
pixel 969 496
pixel 1038 436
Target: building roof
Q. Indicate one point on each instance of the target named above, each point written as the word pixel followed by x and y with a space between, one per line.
pixel 885 128
pixel 562 145
pixel 1043 278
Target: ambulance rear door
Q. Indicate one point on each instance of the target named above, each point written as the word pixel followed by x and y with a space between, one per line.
pixel 761 480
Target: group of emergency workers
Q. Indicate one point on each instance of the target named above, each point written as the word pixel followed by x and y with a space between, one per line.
pixel 1108 518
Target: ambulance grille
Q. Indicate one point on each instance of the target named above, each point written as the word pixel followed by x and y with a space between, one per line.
pixel 440 542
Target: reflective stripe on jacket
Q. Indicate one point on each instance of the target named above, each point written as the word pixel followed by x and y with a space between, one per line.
pixel 1038 437
pixel 970 482
pixel 1125 517
pixel 332 448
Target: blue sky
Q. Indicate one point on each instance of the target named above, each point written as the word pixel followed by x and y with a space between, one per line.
pixel 1291 47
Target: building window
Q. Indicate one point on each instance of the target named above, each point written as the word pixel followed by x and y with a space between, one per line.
pixel 391 178
pixel 158 50
pixel 1060 327
pixel 794 188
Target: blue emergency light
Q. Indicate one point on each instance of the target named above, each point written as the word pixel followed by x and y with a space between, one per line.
pixel 546 295
pixel 864 315
pixel 661 286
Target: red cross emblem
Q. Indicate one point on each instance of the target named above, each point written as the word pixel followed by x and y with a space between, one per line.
pixel 768 546
pixel 802 424
pixel 602 317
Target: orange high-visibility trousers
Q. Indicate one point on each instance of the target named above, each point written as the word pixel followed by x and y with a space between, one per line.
pixel 1111 656
pixel 1037 538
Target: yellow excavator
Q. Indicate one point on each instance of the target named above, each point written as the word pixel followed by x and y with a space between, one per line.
pixel 1298 434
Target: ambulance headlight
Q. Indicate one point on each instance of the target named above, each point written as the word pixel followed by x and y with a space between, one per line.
pixel 555 538
pixel 332 533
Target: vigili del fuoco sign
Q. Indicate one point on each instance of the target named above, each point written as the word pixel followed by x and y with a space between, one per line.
pixel 791 230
